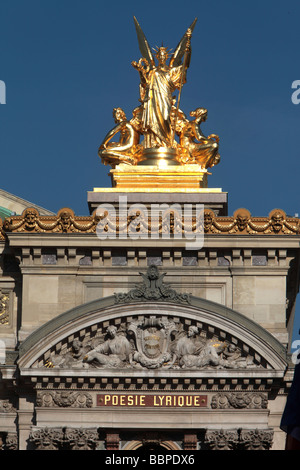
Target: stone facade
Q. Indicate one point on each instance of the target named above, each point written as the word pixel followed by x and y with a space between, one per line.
pixel 126 344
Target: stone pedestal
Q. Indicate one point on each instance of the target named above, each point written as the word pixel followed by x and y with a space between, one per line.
pixel 148 184
pixel 158 177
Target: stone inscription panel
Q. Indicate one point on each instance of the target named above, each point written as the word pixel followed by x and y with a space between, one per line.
pixel 153 401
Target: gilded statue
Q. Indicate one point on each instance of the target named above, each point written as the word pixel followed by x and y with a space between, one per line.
pixel 158 124
pixel 127 149
pixel 157 84
pixel 195 147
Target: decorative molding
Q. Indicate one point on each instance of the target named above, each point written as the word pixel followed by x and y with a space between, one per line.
pixel 8 441
pixel 241 223
pixel 112 441
pixel 64 399
pixel 4 308
pixel 67 438
pixel 11 441
pixel 47 438
pixel 81 439
pixel 255 400
pixel 190 441
pixel 64 438
pixel 257 439
pixel 30 221
pixel 239 439
pixel 152 288
pixel 221 439
pixel 6 406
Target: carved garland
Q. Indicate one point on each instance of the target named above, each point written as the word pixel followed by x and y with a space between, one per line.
pixel 242 223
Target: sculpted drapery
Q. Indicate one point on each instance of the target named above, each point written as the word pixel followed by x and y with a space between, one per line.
pixel 157 85
pixel 162 82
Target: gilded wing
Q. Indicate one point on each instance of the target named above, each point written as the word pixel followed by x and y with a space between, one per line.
pixel 143 44
pixel 178 54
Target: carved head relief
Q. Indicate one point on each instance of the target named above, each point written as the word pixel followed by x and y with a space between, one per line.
pixel 30 217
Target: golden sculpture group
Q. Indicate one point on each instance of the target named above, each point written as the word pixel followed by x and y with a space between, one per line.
pixel 158 118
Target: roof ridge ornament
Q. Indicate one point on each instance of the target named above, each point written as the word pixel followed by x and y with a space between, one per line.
pixel 152 288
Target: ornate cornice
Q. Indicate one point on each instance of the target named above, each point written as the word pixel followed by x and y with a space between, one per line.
pixel 241 223
pixel 30 221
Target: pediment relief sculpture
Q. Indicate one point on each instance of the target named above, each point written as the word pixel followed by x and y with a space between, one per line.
pixel 152 342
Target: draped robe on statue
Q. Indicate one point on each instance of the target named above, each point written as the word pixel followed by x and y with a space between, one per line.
pixel 157 105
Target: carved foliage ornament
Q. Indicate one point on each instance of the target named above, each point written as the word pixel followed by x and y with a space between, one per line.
pixel 241 223
pixel 89 439
pixel 152 288
pixel 239 439
pixel 6 406
pixel 64 399
pixel 8 441
pixel 241 400
pixel 64 438
pixel 4 308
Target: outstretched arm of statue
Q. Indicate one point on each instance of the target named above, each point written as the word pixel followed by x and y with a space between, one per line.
pixel 143 71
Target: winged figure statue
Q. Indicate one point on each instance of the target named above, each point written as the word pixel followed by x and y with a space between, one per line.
pixel 158 120
pixel 157 84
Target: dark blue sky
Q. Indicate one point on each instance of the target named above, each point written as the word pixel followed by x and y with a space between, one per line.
pixel 67 63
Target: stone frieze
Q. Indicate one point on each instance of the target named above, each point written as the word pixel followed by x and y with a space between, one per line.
pixel 241 223
pixel 152 342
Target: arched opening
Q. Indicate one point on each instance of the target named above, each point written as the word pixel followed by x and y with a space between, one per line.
pixel 151 445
